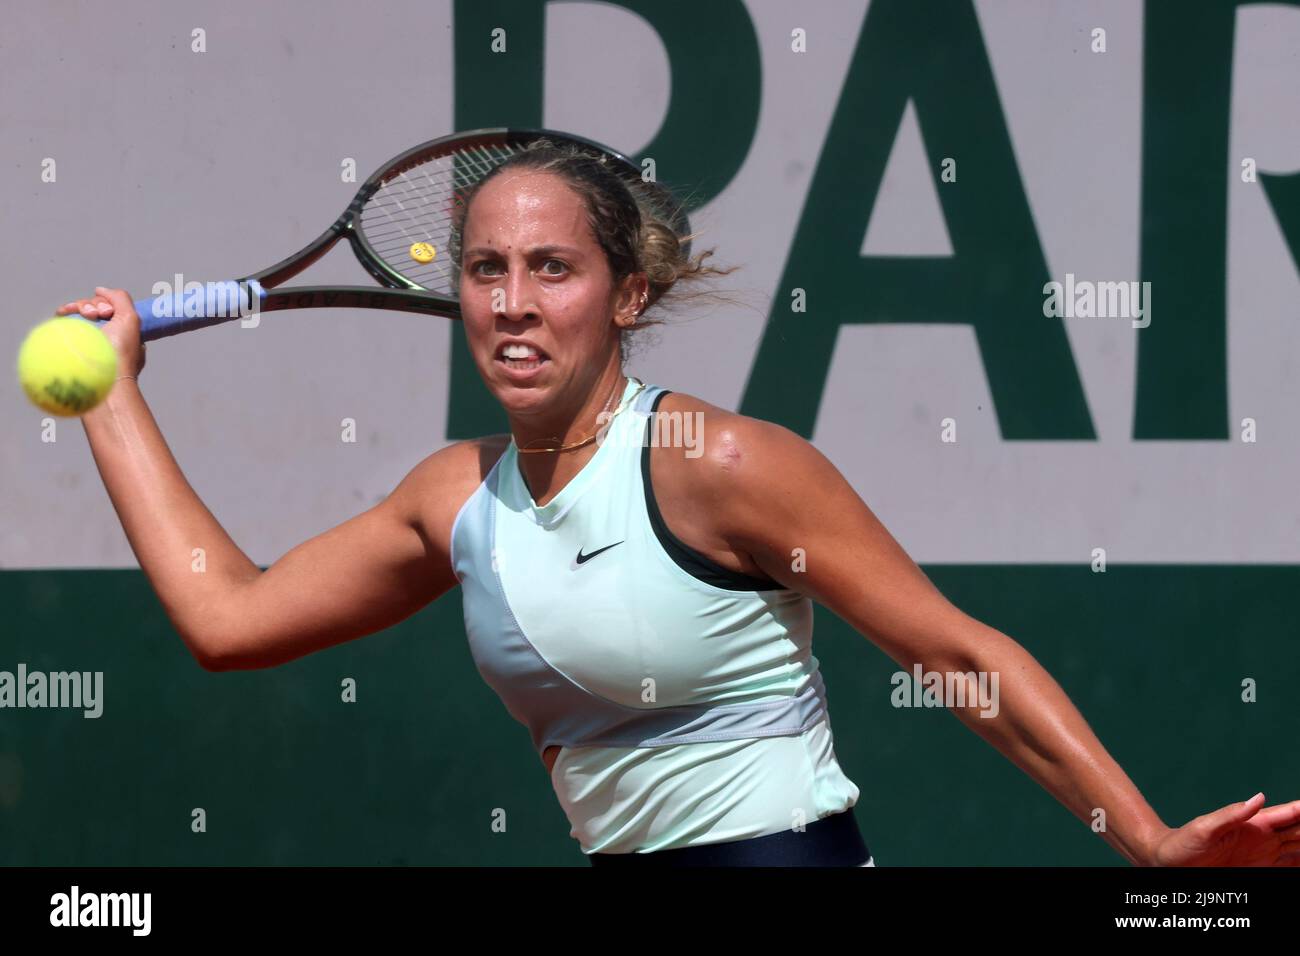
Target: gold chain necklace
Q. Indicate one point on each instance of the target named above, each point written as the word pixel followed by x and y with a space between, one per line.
pixel 588 440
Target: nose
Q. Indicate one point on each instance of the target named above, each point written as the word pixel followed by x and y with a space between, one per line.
pixel 519 298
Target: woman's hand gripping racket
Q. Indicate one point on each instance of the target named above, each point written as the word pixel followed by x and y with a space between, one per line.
pixel 398 225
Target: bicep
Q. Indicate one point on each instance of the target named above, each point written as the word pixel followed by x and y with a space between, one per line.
pixel 363 576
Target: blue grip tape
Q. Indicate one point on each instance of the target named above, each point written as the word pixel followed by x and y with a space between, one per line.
pixel 199 306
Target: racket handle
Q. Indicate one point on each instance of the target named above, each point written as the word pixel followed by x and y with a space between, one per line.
pixel 202 306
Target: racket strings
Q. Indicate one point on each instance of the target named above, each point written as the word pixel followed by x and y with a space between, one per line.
pixel 417 205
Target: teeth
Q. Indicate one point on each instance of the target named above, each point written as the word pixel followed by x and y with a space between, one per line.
pixel 519 352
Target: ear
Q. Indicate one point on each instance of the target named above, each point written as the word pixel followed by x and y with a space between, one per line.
pixel 630 300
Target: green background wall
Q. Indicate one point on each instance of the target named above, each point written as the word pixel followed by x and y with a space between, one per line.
pixel 412 772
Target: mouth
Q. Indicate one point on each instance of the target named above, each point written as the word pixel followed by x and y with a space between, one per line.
pixel 519 357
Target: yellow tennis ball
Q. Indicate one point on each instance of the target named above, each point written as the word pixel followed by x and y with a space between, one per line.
pixel 67 365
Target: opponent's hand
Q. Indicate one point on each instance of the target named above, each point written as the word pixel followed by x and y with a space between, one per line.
pixel 122 327
pixel 1240 834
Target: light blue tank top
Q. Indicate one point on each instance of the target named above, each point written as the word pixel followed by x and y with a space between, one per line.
pixel 685 697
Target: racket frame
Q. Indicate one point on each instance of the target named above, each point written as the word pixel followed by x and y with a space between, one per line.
pixel 395 291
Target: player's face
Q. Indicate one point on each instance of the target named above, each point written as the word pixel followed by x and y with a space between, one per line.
pixel 532 269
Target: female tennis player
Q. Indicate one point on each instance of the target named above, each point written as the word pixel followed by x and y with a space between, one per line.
pixel 636 589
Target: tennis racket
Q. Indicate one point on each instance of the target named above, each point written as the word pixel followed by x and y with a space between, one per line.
pixel 398 225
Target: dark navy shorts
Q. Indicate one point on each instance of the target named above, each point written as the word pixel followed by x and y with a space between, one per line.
pixel 831 841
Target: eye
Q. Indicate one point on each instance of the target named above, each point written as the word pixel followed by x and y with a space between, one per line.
pixel 482 262
pixel 560 262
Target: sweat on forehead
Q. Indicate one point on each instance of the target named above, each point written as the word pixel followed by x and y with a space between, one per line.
pixel 528 215
pixel 529 187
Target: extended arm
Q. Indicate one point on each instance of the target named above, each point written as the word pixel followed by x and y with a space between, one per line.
pixel 775 492
pixel 355 579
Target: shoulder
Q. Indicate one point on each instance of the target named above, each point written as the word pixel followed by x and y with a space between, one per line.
pixel 436 489
pixel 462 463
pixel 744 471
pixel 727 445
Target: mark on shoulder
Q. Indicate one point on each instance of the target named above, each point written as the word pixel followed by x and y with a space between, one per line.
pixel 716 436
pixel 704 483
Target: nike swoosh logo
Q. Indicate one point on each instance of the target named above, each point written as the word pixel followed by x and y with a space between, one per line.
pixel 584 558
